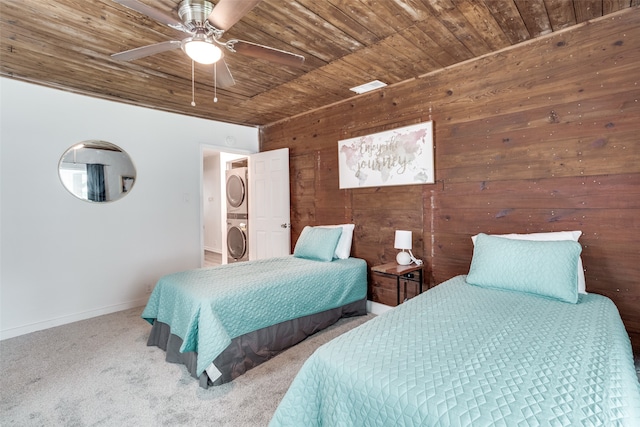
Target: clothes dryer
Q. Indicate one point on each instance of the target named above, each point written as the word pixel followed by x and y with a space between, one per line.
pixel 237 193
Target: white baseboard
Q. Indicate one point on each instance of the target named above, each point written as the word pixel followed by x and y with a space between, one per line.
pixel 372 307
pixel 63 320
pixel 377 308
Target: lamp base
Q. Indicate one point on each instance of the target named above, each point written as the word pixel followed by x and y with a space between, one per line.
pixel 403 258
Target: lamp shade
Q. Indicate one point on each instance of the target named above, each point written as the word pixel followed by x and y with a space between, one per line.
pixel 403 239
pixel 201 50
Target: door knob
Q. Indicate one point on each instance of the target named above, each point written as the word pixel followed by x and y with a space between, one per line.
pixel 285 225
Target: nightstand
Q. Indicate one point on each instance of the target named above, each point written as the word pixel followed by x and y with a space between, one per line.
pixel 401 274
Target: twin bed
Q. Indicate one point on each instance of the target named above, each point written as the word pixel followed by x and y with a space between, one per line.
pixel 514 342
pixel 463 355
pixel 220 322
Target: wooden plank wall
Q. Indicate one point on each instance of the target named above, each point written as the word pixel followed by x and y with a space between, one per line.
pixel 541 137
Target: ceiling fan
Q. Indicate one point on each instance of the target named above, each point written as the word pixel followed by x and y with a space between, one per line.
pixel 205 24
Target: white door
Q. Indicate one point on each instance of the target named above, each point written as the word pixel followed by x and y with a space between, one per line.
pixel 269 215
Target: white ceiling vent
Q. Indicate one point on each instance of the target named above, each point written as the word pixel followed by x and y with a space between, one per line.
pixel 376 84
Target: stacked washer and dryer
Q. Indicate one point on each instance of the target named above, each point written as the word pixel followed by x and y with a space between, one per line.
pixel 237 215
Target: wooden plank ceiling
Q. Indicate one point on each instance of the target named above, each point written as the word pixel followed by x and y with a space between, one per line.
pixel 67 44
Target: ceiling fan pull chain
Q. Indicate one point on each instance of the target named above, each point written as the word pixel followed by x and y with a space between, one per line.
pixel 215 82
pixel 193 85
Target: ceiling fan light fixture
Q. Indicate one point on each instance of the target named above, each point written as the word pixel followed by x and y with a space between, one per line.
pixel 201 50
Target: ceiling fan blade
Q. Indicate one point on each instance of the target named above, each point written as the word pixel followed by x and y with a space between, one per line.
pixel 141 52
pixel 264 52
pixel 153 13
pixel 223 75
pixel 228 12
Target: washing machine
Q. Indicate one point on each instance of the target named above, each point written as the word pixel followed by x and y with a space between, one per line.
pixel 237 194
pixel 237 238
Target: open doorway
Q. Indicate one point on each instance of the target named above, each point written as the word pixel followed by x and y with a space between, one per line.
pixel 213 204
pixel 269 228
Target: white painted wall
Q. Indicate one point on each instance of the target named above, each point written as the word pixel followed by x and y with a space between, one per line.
pixel 62 259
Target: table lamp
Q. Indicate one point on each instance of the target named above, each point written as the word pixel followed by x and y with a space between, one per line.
pixel 403 241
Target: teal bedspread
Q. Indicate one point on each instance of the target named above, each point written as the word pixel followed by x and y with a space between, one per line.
pixel 461 355
pixel 209 307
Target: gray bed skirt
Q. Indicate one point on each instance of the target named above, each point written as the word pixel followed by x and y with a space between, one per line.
pixel 252 349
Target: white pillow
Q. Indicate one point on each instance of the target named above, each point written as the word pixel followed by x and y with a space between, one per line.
pixel 557 235
pixel 343 250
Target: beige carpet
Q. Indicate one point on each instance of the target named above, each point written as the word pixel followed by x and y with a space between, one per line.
pixel 100 372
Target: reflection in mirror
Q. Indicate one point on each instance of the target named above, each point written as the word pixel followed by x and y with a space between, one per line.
pixel 97 171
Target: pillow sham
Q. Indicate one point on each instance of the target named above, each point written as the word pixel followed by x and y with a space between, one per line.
pixel 554 235
pixel 343 249
pixel 546 268
pixel 317 243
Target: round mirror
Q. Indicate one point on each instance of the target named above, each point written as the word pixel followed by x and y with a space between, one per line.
pixel 97 171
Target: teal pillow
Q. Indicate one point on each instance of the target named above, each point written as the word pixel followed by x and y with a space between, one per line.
pixel 547 268
pixel 317 243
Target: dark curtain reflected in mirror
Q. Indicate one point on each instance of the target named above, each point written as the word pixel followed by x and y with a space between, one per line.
pixel 95 183
pixel 97 171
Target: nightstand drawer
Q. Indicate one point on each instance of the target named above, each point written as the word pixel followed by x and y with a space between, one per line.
pixel 392 283
pixel 383 289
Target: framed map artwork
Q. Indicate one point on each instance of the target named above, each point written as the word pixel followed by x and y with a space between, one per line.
pixel 402 156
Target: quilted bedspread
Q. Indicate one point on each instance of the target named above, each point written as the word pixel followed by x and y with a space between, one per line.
pixel 461 355
pixel 209 307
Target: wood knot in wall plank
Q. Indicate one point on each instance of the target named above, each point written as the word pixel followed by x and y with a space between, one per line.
pixel 553 117
pixel 598 143
pixel 503 213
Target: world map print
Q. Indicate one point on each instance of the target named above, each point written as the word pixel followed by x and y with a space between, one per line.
pixel 396 157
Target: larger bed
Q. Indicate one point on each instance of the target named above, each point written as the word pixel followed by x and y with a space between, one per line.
pixel 476 353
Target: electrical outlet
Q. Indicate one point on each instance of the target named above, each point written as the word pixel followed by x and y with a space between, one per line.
pixel 149 288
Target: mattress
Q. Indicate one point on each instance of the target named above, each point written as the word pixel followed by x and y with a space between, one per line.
pixel 461 355
pixel 208 308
